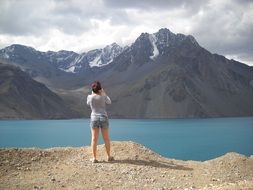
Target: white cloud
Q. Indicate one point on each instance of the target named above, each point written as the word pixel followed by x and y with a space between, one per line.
pixel 224 27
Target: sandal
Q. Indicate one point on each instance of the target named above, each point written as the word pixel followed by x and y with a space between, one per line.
pixel 93 160
pixel 111 158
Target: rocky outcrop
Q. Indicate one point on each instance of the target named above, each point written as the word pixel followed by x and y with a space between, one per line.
pixel 135 167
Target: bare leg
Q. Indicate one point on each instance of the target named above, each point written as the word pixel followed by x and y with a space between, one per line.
pixel 94 140
pixel 105 133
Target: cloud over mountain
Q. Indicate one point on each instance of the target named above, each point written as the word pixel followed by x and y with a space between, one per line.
pixel 224 27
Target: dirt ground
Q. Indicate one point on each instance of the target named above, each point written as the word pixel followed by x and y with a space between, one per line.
pixel 135 167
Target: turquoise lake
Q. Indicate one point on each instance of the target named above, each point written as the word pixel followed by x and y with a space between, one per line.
pixel 185 139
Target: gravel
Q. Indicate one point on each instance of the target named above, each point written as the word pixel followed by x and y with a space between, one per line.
pixel 135 167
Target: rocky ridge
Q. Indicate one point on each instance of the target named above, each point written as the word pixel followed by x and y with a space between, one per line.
pixel 135 167
pixel 67 61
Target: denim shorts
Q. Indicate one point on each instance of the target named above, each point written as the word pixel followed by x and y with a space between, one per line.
pixel 99 122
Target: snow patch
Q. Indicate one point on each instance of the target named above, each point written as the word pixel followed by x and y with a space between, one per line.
pixel 10 49
pixel 78 59
pixel 153 41
pixel 69 70
pixel 6 56
pixel 95 62
pixel 109 61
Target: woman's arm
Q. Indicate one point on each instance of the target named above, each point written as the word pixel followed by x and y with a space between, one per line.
pixel 88 100
pixel 107 99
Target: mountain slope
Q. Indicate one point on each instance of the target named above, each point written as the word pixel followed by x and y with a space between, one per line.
pixel 22 97
pixel 172 76
pixel 161 75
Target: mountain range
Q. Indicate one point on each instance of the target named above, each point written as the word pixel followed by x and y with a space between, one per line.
pixel 160 75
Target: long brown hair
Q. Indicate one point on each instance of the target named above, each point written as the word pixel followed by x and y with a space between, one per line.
pixel 96 86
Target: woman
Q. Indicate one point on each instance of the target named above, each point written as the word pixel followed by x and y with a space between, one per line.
pixel 99 119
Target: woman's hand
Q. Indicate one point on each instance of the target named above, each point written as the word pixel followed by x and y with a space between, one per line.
pixel 103 92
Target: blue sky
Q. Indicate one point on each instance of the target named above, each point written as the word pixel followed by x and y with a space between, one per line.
pixel 221 26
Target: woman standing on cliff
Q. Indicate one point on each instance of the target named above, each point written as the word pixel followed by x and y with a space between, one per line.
pixel 99 119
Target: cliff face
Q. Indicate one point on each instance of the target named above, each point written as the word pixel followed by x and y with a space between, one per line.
pixel 23 97
pixel 135 167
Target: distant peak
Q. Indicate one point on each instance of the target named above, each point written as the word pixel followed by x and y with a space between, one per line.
pixel 113 45
pixel 20 46
pixel 17 45
pixel 164 30
pixel 65 52
pixel 14 48
pixel 144 34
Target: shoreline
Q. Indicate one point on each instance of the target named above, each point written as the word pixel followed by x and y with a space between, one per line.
pixel 135 167
pixel 131 118
pixel 87 146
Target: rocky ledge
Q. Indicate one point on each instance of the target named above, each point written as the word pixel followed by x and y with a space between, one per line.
pixel 135 167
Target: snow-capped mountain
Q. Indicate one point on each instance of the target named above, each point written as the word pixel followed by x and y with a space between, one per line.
pixel 164 41
pixel 146 48
pixel 102 57
pixel 19 53
pixel 62 58
pixel 160 75
pixel 94 58
pixel 67 61
pixel 165 75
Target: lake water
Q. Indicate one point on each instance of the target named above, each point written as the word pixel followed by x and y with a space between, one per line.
pixel 185 139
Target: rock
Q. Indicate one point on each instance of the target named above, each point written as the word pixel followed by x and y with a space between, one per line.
pixel 97 186
pixel 53 179
pixel 125 172
pixel 18 164
pixel 16 174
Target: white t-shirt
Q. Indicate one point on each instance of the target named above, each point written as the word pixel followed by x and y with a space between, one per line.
pixel 97 104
